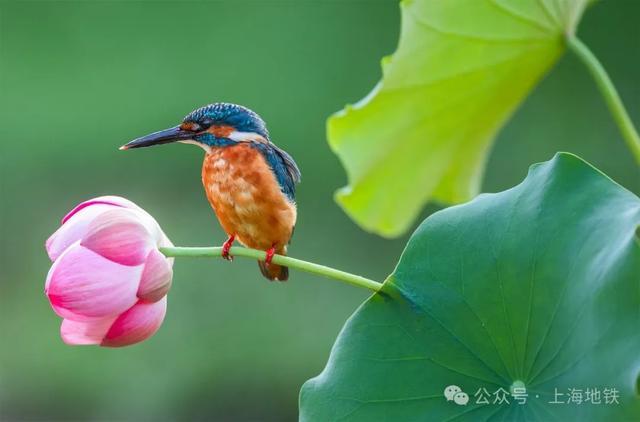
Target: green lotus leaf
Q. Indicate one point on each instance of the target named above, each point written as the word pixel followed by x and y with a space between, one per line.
pixel 460 70
pixel 534 288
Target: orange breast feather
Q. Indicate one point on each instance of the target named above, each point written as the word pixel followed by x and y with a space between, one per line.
pixel 246 197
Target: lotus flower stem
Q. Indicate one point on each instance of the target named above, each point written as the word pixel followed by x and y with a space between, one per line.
pixel 310 267
pixel 609 92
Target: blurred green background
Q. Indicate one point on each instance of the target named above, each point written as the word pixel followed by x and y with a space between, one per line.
pixel 78 79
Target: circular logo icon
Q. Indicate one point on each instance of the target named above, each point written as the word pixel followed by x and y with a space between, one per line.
pixel 451 391
pixel 461 398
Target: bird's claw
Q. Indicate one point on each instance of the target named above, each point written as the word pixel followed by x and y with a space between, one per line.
pixel 226 247
pixel 270 253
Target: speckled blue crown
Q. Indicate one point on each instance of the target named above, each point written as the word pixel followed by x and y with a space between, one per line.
pixel 227 114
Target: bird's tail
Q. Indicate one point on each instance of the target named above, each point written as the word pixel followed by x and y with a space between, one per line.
pixel 273 271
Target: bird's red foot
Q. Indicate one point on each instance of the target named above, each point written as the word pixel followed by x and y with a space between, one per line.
pixel 270 253
pixel 227 246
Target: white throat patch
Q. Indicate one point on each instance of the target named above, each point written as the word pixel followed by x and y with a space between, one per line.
pixel 207 148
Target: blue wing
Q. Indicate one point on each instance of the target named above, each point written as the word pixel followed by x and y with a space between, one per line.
pixel 284 168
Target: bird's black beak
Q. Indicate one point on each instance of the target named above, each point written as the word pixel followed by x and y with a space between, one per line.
pixel 166 136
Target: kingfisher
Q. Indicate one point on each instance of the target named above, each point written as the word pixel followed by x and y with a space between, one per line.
pixel 249 181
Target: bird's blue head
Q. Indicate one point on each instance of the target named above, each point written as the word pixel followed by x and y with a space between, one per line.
pixel 218 124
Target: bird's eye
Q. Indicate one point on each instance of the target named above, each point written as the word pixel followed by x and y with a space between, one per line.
pixel 190 126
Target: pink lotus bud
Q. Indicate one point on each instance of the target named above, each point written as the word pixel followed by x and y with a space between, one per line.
pixel 108 280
